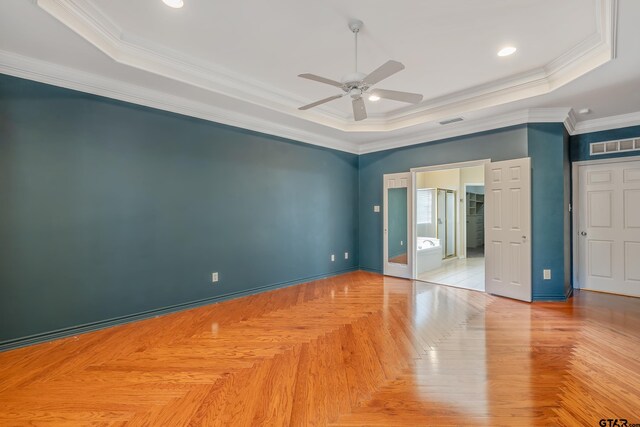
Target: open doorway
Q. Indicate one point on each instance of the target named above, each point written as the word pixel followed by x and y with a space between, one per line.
pixel 474 210
pixel 449 224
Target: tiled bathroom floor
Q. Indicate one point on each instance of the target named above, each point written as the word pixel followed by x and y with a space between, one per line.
pixel 465 273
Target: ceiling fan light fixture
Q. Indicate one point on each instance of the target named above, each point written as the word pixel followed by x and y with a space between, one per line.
pixel 176 4
pixel 356 84
pixel 506 51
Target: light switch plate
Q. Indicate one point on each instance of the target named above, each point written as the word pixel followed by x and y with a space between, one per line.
pixel 376 208
pixel 546 274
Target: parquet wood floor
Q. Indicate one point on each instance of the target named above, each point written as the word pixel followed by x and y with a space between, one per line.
pixel 353 350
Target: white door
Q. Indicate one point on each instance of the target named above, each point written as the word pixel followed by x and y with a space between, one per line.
pixel 397 225
pixel 609 227
pixel 508 228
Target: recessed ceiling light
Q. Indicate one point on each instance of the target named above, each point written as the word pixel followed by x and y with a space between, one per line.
pixel 374 98
pixel 506 51
pixel 176 4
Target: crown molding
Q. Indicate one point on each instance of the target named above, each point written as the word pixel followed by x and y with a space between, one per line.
pixel 87 21
pixel 45 72
pixel 532 115
pixel 53 74
pixel 607 123
pixel 571 122
pixel 596 50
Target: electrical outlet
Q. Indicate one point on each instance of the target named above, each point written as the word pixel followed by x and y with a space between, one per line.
pixel 376 208
pixel 214 277
pixel 333 257
pixel 401 242
pixel 346 255
pixel 546 273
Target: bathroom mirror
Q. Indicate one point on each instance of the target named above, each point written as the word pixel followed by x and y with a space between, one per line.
pixel 397 225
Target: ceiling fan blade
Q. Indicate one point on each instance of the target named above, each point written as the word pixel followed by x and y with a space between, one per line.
pixel 412 98
pixel 320 79
pixel 359 110
pixel 387 69
pixel 322 101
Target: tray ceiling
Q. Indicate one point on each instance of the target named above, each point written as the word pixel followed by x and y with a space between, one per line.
pixel 253 50
pixel 237 62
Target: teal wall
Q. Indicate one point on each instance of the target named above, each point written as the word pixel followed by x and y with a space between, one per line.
pixel 110 211
pixel 398 225
pixel 548 149
pixel 580 143
pixel 500 144
pixel 548 146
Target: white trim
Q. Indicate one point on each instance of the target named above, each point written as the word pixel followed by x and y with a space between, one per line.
pixel 609 160
pixel 86 20
pixel 33 69
pixel 574 224
pixel 607 123
pixel 532 115
pixel 83 17
pixel 575 206
pixel 57 75
pixel 414 172
pixel 458 165
pixel 570 122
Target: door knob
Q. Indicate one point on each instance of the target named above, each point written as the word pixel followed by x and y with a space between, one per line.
pixel 583 233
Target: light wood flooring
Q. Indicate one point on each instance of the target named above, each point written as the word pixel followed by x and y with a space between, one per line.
pixel 353 350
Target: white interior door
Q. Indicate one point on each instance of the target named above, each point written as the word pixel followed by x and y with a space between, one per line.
pixel 508 228
pixel 398 235
pixel 608 229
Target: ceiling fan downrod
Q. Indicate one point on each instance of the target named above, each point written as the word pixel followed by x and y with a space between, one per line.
pixel 356 84
pixel 355 25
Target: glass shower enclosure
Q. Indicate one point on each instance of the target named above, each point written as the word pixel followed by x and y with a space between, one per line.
pixel 446 221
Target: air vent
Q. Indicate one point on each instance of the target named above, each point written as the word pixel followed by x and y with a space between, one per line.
pixel 449 121
pixel 608 147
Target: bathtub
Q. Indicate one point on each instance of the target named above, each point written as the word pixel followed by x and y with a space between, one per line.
pixel 429 254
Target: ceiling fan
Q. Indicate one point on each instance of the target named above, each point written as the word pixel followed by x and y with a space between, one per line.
pixel 357 84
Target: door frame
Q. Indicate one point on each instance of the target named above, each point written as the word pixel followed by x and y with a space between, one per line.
pixel 575 208
pixel 459 165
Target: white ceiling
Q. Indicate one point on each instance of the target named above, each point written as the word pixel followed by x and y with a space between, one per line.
pixel 237 62
pixel 439 42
